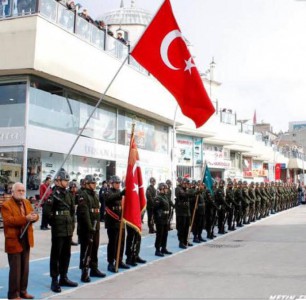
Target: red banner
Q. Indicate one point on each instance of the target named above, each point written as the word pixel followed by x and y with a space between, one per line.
pixel 277 171
pixel 135 201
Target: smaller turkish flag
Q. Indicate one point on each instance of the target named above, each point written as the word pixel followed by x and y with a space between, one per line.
pixel 277 171
pixel 163 52
pixel 135 201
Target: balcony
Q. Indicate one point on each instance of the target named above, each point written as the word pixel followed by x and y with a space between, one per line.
pixel 71 21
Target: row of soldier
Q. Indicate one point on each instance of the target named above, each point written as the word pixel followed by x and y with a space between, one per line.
pixel 197 208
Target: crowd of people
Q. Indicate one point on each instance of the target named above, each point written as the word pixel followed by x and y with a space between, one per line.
pixel 198 211
pixel 76 8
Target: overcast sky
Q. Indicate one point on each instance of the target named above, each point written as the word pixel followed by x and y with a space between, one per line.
pixel 259 47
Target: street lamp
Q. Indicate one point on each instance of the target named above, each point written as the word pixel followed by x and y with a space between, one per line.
pixel 212 66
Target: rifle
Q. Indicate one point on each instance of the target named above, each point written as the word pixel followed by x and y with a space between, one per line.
pixel 214 221
pixel 170 217
pixel 87 255
pixel 25 229
pixel 226 217
pixel 233 217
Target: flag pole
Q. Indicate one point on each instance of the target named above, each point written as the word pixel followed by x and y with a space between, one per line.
pixel 120 236
pixel 195 206
pixel 122 210
pixel 173 156
pixel 87 121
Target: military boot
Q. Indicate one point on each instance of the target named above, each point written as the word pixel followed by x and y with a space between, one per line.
pixel 96 273
pixel 64 281
pixel 131 261
pixel 85 276
pixel 55 287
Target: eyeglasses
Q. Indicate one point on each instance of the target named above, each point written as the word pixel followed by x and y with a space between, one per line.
pixel 20 191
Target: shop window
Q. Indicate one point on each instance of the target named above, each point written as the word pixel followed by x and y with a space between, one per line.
pixel 184 171
pixel 11 162
pixel 58 108
pixel 12 104
pixel 149 135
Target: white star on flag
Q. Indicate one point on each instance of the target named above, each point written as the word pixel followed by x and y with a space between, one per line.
pixel 136 188
pixel 189 65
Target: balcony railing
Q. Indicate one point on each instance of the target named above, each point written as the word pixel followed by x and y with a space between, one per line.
pixel 70 21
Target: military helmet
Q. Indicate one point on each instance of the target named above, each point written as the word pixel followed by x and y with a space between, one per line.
pixel 245 182
pixel 62 175
pixel 193 182
pixel 185 180
pixel 90 179
pixel 239 182
pixel 179 179
pixel 72 184
pixel 152 180
pixel 162 186
pixel 115 179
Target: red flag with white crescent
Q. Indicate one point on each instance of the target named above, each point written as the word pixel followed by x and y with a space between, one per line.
pixel 135 201
pixel 163 52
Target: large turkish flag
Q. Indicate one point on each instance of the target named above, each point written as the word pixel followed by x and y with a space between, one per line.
pixel 163 52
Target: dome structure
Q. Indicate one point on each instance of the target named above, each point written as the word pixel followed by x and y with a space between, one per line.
pixel 128 16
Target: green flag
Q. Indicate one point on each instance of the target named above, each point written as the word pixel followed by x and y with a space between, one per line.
pixel 207 180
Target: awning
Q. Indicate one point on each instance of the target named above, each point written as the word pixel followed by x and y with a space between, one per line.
pixel 238 148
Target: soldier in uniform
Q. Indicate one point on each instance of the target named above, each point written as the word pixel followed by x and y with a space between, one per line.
pixel 253 199
pixel 88 213
pixel 169 195
pixel 150 195
pixel 222 205
pixel 210 214
pixel 113 217
pixel 258 203
pixel 239 200
pixel 230 199
pixel 161 209
pixel 199 217
pixel 183 212
pixel 245 203
pixel 264 199
pixel 60 213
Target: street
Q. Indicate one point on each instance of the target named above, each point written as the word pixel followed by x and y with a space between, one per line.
pixel 264 260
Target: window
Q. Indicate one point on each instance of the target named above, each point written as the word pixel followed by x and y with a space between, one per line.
pixel 148 135
pixel 12 104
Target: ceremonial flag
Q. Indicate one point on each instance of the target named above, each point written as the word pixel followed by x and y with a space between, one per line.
pixel 277 171
pixel 135 201
pixel 207 179
pixel 163 52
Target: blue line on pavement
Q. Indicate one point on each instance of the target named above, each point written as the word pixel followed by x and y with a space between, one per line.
pixel 39 279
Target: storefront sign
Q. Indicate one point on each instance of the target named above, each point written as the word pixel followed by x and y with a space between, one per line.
pixel 219 164
pixel 11 136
